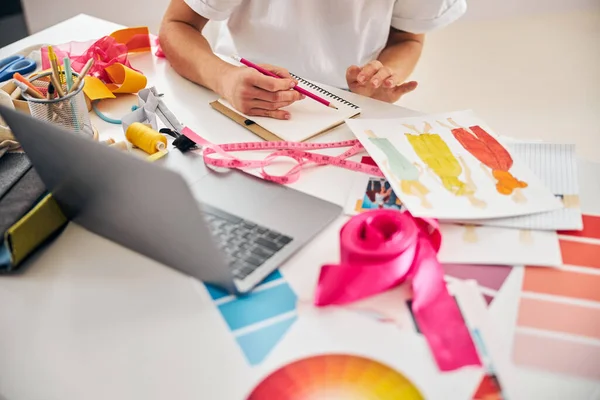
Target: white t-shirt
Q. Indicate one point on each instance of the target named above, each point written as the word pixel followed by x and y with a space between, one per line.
pixel 319 39
pixel 379 199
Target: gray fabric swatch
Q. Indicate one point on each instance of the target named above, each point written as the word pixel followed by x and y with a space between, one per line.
pixel 23 195
pixel 12 167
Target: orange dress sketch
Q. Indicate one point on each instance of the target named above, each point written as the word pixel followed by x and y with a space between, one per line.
pixel 492 155
pixel 436 154
pixel 403 171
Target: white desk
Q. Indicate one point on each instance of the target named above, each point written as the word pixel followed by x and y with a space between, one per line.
pixel 89 319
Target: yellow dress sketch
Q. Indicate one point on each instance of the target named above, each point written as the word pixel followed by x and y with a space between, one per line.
pixel 436 154
pixel 402 170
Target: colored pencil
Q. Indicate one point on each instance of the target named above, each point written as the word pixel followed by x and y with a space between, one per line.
pixel 31 90
pixel 50 91
pixel 57 86
pixel 68 73
pixel 296 88
pixel 49 96
pixel 26 89
pixel 54 63
pixel 82 74
pixel 16 94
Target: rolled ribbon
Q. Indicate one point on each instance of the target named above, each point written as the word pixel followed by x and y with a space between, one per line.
pixel 383 248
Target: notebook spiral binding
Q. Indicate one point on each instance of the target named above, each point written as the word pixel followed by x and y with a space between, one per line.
pixel 323 91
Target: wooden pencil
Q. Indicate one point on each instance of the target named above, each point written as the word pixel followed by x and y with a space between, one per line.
pixel 82 74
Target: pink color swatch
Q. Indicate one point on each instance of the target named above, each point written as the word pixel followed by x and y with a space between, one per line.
pixel 560 317
pixel 557 355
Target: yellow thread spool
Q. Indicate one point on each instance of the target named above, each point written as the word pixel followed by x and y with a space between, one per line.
pixel 145 138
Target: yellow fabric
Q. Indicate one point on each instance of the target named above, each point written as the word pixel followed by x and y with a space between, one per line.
pixel 95 89
pixel 434 152
pixel 126 35
pixel 34 228
pixel 125 79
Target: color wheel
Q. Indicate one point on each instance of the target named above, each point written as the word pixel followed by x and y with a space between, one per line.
pixel 335 377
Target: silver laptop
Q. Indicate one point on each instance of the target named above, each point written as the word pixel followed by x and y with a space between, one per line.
pixel 229 229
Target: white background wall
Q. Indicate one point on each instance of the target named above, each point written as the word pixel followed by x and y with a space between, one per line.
pixel 149 12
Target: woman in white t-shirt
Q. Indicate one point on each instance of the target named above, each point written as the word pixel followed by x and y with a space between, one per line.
pixel 367 46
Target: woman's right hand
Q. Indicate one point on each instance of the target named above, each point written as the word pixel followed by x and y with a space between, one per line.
pixel 255 94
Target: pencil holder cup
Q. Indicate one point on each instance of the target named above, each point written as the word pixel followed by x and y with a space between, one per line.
pixel 70 111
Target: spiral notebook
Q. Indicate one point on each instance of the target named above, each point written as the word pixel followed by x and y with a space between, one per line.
pixel 309 117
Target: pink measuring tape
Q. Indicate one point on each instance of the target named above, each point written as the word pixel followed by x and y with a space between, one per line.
pixel 297 151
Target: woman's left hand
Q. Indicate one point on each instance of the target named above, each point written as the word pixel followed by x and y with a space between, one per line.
pixel 377 81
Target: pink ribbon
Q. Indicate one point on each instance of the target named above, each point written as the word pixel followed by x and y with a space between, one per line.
pixel 105 51
pixel 383 248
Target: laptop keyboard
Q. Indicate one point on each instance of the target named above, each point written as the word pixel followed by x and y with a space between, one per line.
pixel 245 245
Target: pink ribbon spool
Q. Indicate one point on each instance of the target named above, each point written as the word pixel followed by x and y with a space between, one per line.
pixel 381 249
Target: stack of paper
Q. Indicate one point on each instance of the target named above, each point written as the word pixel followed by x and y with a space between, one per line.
pixel 499 202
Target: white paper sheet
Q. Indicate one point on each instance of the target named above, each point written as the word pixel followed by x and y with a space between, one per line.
pixel 436 176
pixel 498 246
pixel 466 244
pixel 556 166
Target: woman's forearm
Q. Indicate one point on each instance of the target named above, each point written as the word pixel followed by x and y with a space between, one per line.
pixel 190 54
pixel 402 52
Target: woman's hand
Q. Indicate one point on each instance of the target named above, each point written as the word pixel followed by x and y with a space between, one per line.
pixel 255 94
pixel 377 81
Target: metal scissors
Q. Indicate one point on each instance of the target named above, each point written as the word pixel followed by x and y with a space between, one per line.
pixel 13 64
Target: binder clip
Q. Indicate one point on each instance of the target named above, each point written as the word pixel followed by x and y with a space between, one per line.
pixel 181 142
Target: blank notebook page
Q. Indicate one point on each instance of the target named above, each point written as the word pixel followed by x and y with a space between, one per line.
pixel 308 116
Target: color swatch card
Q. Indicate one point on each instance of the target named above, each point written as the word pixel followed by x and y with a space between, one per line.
pixel 558 326
pixel 465 244
pixel 556 166
pixel 489 278
pixel 558 312
pixel 452 166
pixel 259 320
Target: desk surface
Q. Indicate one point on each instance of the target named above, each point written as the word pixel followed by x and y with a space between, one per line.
pixel 90 319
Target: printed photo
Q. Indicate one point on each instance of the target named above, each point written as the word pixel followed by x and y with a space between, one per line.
pixel 378 194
